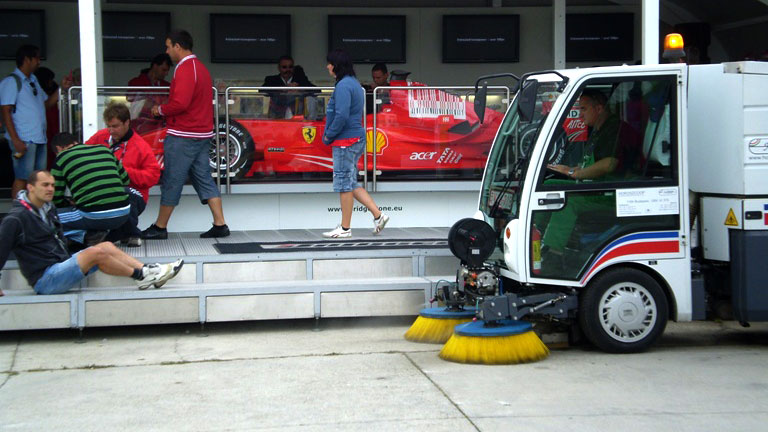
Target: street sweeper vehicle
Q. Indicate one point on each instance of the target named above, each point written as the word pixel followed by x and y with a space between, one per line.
pixel 596 180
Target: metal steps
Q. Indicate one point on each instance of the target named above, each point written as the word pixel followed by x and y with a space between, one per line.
pixel 213 287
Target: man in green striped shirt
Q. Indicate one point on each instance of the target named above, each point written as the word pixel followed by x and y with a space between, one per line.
pixel 96 182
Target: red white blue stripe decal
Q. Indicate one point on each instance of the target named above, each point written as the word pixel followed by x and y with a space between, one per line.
pixel 765 214
pixel 636 244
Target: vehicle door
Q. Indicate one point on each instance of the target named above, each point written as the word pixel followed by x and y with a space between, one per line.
pixel 611 189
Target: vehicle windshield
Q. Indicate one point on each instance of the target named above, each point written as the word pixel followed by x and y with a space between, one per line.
pixel 508 161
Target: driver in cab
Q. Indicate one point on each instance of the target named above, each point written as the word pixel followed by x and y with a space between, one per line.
pixel 599 155
pixel 598 163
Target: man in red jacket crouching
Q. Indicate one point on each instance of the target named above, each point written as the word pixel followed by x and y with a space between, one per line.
pixel 138 161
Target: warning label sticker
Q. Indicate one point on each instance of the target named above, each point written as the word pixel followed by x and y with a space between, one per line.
pixel 731 220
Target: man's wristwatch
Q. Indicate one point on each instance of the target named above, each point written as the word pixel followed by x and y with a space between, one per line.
pixel 570 172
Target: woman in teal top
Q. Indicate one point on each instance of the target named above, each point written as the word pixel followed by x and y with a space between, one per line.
pixel 344 131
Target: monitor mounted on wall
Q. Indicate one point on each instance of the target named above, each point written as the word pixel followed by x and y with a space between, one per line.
pixel 599 37
pixel 134 36
pixel 368 38
pixel 244 38
pixel 21 27
pixel 481 38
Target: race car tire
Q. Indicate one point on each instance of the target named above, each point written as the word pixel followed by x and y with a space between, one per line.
pixel 623 310
pixel 241 149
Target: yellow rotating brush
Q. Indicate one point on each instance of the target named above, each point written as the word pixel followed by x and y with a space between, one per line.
pixel 505 342
pixel 435 325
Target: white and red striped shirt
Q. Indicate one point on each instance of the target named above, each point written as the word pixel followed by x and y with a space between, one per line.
pixel 189 111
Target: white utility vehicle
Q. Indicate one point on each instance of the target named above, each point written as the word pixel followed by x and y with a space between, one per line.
pixel 675 225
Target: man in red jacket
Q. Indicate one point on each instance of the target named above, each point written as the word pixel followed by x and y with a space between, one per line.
pixel 138 161
pixel 189 118
pixel 143 100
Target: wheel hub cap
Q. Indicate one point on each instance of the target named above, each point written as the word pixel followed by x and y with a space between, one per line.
pixel 627 312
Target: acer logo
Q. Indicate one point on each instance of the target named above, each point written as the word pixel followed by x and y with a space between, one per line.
pixel 422 155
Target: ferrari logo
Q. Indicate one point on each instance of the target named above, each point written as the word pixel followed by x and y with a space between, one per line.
pixel 309 133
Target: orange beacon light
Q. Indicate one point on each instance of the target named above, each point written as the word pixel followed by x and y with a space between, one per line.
pixel 673 47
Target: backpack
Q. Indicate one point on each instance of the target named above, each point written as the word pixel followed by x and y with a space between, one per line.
pixel 18 88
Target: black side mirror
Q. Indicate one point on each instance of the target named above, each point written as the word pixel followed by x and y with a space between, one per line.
pixel 527 103
pixel 480 100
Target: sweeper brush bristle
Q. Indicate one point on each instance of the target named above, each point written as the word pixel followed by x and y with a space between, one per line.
pixel 510 344
pixel 433 330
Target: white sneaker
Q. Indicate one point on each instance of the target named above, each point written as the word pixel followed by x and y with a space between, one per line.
pixel 339 232
pixel 156 275
pixel 380 223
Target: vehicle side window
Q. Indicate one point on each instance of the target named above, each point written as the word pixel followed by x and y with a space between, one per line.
pixel 615 131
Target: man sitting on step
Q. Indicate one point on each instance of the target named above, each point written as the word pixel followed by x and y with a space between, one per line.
pixel 96 181
pixel 33 232
pixel 137 159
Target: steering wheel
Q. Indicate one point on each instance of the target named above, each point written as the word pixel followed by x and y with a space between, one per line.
pixel 555 150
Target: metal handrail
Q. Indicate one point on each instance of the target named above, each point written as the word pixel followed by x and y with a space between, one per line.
pixel 241 89
pixel 377 101
pixel 217 139
pixel 234 90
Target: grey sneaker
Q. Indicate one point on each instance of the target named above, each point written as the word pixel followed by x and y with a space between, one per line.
pixel 156 275
pixel 380 223
pixel 131 242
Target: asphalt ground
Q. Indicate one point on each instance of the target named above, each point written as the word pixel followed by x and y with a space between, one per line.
pixel 360 374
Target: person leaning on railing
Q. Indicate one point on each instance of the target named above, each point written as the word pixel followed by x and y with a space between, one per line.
pixel 142 101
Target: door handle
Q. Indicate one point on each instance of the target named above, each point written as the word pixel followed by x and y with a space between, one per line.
pixel 548 201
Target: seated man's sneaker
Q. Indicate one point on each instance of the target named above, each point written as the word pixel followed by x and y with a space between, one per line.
pixel 216 231
pixel 154 232
pixel 339 232
pixel 156 275
pixel 131 242
pixel 380 223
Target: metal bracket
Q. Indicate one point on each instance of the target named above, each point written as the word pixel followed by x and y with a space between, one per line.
pixel 512 306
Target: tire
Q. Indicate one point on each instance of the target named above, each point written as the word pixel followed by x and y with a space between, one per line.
pixel 242 151
pixel 623 310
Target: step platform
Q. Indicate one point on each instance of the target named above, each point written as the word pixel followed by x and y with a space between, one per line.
pixel 251 275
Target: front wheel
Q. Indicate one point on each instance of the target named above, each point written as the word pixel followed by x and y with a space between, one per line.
pixel 240 152
pixel 623 311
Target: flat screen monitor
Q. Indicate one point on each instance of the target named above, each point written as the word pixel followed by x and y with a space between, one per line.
pixel 134 36
pixel 368 38
pixel 599 37
pixel 21 27
pixel 249 38
pixel 481 38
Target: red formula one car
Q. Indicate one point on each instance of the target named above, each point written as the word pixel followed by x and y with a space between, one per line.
pixel 420 133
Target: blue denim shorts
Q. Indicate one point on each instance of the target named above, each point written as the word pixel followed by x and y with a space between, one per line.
pixel 345 166
pixel 61 277
pixel 186 157
pixel 34 159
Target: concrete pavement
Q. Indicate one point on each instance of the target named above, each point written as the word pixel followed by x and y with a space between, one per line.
pixel 360 374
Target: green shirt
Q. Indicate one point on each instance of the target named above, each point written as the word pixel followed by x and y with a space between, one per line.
pixel 94 177
pixel 602 143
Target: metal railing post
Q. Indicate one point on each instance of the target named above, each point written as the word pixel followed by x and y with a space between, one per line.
pixel 365 151
pixel 375 136
pixel 216 139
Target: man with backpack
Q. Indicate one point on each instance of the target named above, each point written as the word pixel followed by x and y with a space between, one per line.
pixel 22 108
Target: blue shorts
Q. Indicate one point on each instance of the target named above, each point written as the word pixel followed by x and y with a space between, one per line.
pixel 34 159
pixel 61 277
pixel 186 157
pixel 345 166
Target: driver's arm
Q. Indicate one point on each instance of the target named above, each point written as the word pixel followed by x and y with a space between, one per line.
pixel 598 169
